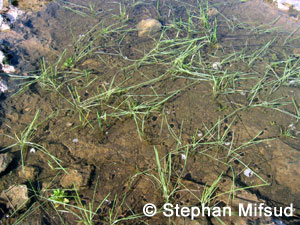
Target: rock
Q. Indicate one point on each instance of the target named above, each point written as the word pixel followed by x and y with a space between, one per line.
pixel 27 173
pixel 3 86
pixel 2 56
pixel 79 177
pixel 286 5
pixel 217 66
pixel 212 12
pixel 5 160
pixel 16 196
pixel 8 68
pixel 32 5
pixel 4 27
pixel 296 52
pixel 12 15
pixel 147 27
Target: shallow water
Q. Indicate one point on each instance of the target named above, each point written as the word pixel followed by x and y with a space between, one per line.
pixel 115 112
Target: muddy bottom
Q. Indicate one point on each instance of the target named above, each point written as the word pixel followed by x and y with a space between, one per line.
pixel 198 106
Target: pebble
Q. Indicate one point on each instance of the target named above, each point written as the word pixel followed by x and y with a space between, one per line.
pixel 75 140
pixel 2 57
pixel 32 150
pixel 8 68
pixel 285 5
pixel 292 127
pixel 4 27
pixel 217 66
pixel 148 26
pixel 27 173
pixel 200 134
pixel 12 14
pixel 16 196
pixel 248 172
pixel 69 124
pixel 3 86
pixel 5 160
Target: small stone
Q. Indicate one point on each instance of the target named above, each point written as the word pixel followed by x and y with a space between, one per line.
pixel 292 127
pixel 27 109
pixel 5 160
pixel 148 26
pixel 2 56
pixel 16 196
pixel 200 134
pixel 69 124
pixel 27 173
pixel 4 27
pixel 12 14
pixel 296 52
pixel 212 12
pixel 78 177
pixel 217 66
pixel 248 172
pixel 75 140
pixel 8 68
pixel 227 143
pixel 3 86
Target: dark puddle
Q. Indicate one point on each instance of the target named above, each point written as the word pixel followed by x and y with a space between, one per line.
pixel 110 109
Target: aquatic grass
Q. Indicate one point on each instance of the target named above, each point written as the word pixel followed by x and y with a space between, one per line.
pixel 86 212
pixel 164 175
pixel 168 179
pixel 213 36
pixel 275 104
pixel 23 142
pixel 123 11
pixel 115 212
pixel 47 78
pixel 260 52
pixel 82 10
pixel 78 105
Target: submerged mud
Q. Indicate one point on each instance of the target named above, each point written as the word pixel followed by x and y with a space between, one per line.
pixel 202 111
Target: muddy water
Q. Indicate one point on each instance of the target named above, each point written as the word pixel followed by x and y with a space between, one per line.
pixel 119 98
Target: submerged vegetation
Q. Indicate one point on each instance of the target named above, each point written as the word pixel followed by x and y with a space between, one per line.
pixel 176 116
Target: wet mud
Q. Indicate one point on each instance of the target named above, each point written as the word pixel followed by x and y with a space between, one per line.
pixel 203 111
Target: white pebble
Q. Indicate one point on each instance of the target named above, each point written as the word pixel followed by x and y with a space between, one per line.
pixel 3 86
pixel 200 134
pixel 2 57
pixel 8 68
pixel 4 27
pixel 248 172
pixel 12 14
pixel 75 140
pixel 227 143
pixel 217 66
pixel 32 150
pixel 292 126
